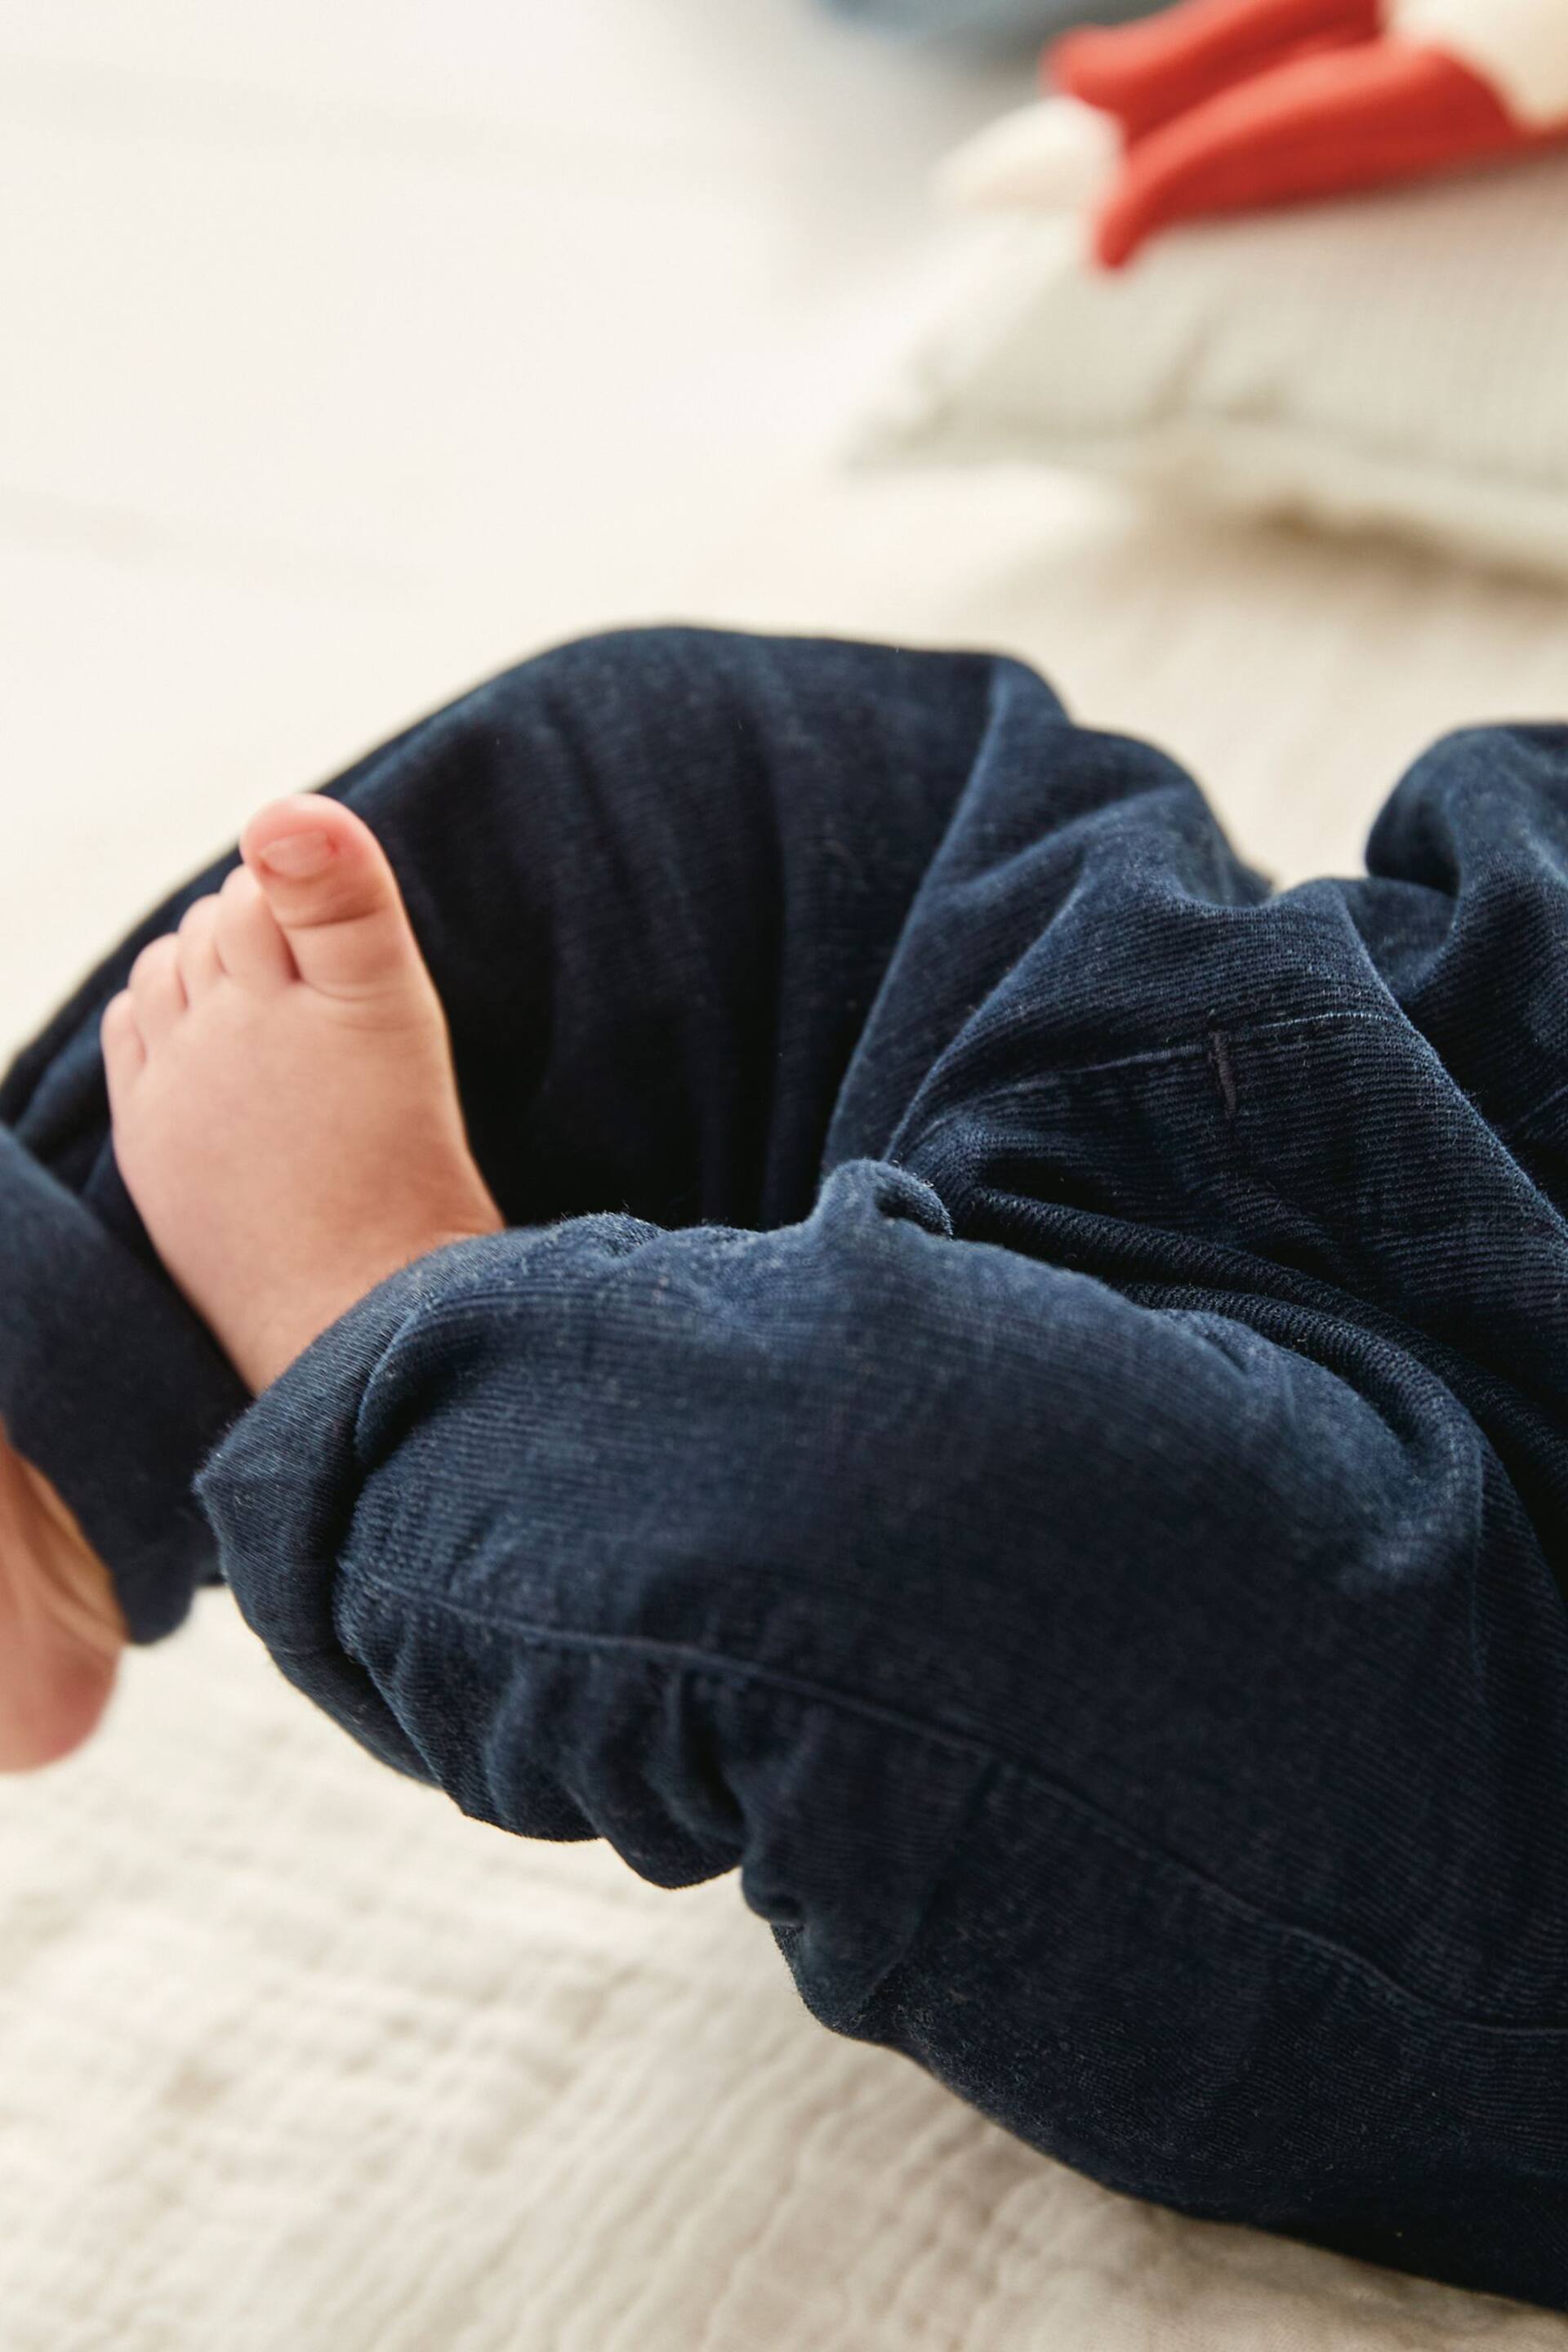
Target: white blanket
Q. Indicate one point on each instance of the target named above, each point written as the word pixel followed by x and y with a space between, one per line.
pixel 351 351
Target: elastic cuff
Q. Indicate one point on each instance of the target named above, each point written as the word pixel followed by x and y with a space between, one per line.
pixel 279 1488
pixel 111 1387
pixel 280 1493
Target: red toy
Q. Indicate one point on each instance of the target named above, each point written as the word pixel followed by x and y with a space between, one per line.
pixel 1222 106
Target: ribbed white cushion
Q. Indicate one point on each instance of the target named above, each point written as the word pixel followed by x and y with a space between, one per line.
pixel 1398 360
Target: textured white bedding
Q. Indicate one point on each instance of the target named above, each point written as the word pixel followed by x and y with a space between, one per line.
pixel 351 351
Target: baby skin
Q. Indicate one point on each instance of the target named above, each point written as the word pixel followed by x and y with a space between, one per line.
pixel 286 1119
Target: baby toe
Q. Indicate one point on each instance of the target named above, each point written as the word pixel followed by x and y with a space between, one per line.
pixel 252 948
pixel 330 885
pixel 120 1041
pixel 157 992
pixel 200 965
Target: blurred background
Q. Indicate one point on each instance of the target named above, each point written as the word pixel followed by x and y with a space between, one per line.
pixel 352 352
pixel 346 354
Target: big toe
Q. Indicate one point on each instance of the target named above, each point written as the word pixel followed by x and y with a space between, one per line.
pixel 334 896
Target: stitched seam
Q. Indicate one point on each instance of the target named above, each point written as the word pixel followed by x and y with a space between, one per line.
pixel 1041 1081
pixel 687 1659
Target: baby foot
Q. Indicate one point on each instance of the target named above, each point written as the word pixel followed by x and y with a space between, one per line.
pixel 61 1631
pixel 286 1116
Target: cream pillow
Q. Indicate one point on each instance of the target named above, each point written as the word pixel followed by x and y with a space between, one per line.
pixel 1399 360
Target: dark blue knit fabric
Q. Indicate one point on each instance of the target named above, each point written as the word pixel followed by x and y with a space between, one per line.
pixel 1022 1407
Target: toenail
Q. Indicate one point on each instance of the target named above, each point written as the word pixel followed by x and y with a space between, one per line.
pixel 298 854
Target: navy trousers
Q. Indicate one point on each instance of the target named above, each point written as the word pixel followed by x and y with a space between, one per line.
pixel 1021 1405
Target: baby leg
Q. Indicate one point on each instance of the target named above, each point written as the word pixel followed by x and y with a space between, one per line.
pixel 1103 1703
pixel 1133 1707
pixel 61 1627
pixel 656 880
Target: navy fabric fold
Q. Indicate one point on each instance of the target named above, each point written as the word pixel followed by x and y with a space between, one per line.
pixel 1021 1406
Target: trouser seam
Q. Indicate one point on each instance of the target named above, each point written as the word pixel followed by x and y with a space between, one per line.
pixel 1308 1941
